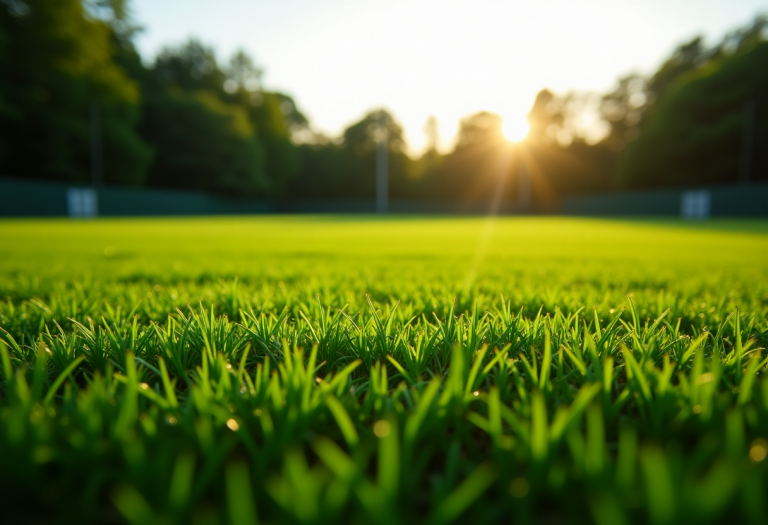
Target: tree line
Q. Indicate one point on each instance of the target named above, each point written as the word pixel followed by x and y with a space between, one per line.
pixel 191 121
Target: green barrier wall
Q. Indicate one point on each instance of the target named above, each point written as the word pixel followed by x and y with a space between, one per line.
pixel 25 199
pixel 45 199
pixel 749 201
pixel 725 201
pixel 20 198
pixel 41 198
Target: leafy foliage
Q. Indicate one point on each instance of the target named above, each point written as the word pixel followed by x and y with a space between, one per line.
pixel 56 64
pixel 696 131
pixel 190 120
pixel 203 144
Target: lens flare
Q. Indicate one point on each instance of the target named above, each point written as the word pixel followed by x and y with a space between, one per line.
pixel 514 130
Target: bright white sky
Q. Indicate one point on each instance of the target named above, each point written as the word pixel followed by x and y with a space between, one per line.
pixel 342 58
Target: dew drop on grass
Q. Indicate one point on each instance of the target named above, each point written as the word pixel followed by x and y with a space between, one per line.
pixel 519 487
pixel 759 450
pixel 382 428
pixel 232 425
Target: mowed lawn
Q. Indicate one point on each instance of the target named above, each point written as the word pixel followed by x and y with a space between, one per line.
pixel 550 260
pixel 359 369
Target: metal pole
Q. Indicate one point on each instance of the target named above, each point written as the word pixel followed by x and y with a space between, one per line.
pixel 748 141
pixel 524 188
pixel 97 166
pixel 382 178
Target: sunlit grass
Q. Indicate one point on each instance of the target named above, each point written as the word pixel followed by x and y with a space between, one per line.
pixel 315 370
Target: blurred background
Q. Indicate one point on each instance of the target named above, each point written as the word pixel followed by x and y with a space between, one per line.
pixel 118 107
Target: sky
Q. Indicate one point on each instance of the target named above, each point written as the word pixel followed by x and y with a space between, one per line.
pixel 340 59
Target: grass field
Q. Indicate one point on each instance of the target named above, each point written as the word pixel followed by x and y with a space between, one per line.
pixel 365 370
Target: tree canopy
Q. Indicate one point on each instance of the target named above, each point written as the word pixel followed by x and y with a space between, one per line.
pixel 696 133
pixel 56 62
pixel 189 120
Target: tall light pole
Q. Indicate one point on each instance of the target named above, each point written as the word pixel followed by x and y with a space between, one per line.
pixel 524 184
pixel 515 131
pixel 97 166
pixel 747 141
pixel 382 176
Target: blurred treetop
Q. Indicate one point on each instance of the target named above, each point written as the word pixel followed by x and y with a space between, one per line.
pixel 191 121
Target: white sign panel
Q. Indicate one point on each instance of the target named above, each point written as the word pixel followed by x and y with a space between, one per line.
pixel 696 204
pixel 82 202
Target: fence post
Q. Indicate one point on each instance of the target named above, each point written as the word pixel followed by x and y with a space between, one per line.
pixel 748 141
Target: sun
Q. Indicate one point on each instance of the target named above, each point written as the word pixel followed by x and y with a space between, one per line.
pixel 514 130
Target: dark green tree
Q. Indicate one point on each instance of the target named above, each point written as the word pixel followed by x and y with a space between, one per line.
pixel 56 61
pixel 346 170
pixel 626 107
pixel 359 145
pixel 472 170
pixel 362 137
pixel 203 139
pixel 695 132
pixel 262 153
pixel 203 144
pixel 189 67
pixel 276 119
